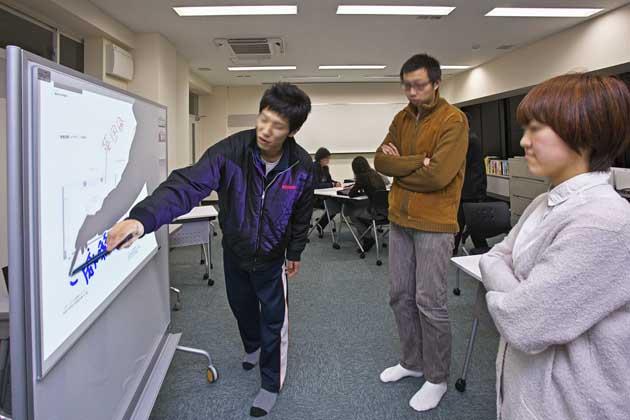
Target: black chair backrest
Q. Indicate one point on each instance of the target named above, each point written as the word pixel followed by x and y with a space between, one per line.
pixel 488 219
pixel 5 272
pixel 379 204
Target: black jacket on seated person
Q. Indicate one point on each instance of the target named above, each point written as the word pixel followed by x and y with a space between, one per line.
pixel 474 188
pixel 321 175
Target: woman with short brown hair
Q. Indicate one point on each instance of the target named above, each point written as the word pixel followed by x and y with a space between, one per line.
pixel 559 285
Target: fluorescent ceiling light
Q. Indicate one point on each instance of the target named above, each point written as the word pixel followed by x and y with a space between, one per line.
pixel 261 68
pixel 541 12
pixel 370 76
pixel 454 67
pixel 337 76
pixel 235 10
pixel 353 67
pixel 394 10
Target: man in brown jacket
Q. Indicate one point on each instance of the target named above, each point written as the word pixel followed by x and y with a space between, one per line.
pixel 425 152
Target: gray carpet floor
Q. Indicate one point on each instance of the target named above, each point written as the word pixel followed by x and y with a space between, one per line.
pixel 342 335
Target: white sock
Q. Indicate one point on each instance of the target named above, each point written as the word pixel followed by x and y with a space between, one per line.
pixel 428 397
pixel 396 373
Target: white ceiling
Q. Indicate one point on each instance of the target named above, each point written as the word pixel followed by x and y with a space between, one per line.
pixel 318 36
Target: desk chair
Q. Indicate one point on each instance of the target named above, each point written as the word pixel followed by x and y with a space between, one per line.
pixel 484 220
pixel 379 211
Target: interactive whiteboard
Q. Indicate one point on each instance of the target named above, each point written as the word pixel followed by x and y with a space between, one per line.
pixel 84 146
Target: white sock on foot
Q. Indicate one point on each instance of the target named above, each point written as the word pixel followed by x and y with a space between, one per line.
pixel 428 397
pixel 396 373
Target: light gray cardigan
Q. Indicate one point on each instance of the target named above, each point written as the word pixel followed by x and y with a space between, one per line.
pixel 563 312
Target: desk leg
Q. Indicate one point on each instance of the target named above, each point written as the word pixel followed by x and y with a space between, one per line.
pixel 480 301
pixel 332 229
pixel 345 219
pixel 210 235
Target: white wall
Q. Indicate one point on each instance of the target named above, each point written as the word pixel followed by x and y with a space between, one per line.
pixel 155 78
pixel 245 100
pixel 183 147
pixel 593 45
pixel 94 61
pixel 213 122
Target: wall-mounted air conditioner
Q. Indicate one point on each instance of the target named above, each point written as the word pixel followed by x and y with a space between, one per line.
pixel 118 62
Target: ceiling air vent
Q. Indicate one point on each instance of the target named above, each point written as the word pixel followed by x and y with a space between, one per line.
pixel 505 47
pixel 251 48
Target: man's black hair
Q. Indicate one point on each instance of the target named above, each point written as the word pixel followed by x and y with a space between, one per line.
pixel 289 101
pixel 321 153
pixel 422 61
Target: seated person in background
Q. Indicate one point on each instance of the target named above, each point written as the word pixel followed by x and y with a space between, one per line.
pixel 386 179
pixel 367 182
pixel 559 285
pixel 323 179
pixel 474 188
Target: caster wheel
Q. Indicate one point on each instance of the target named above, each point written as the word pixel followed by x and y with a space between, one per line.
pixel 214 234
pixel 320 236
pixel 460 385
pixel 379 262
pixel 334 230
pixel 206 276
pixel 336 246
pixel 177 306
pixel 211 266
pixel 202 262
pixel 308 241
pixel 457 292
pixel 310 226
pixel 362 256
pixel 384 245
pixel 210 282
pixel 213 374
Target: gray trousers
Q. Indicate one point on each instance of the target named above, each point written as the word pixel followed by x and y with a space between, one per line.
pixel 418 264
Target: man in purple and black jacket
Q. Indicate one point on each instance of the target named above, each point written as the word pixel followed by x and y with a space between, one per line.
pixel 265 186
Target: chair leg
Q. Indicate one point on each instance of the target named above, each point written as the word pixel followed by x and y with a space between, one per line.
pixel 456 290
pixel 332 229
pixel 378 251
pixel 385 233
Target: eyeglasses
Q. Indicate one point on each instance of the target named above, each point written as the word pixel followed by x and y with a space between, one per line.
pixel 418 86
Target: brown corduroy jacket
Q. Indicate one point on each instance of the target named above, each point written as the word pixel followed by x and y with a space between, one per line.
pixel 422 197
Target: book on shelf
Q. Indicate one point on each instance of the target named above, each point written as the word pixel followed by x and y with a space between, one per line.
pixel 496 166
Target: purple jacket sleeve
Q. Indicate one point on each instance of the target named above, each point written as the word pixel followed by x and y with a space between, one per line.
pixel 182 190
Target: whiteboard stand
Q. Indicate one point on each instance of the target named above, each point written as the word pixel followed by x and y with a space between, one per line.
pixel 156 379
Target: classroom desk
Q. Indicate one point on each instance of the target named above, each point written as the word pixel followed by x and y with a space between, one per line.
pixel 196 229
pixel 331 193
pixel 469 264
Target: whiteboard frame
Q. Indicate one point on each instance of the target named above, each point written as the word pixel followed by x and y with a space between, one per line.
pixel 30 65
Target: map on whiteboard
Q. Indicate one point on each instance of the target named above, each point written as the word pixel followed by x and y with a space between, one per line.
pixel 85 141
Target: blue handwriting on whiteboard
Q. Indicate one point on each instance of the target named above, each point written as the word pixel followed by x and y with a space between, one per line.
pixel 88 271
